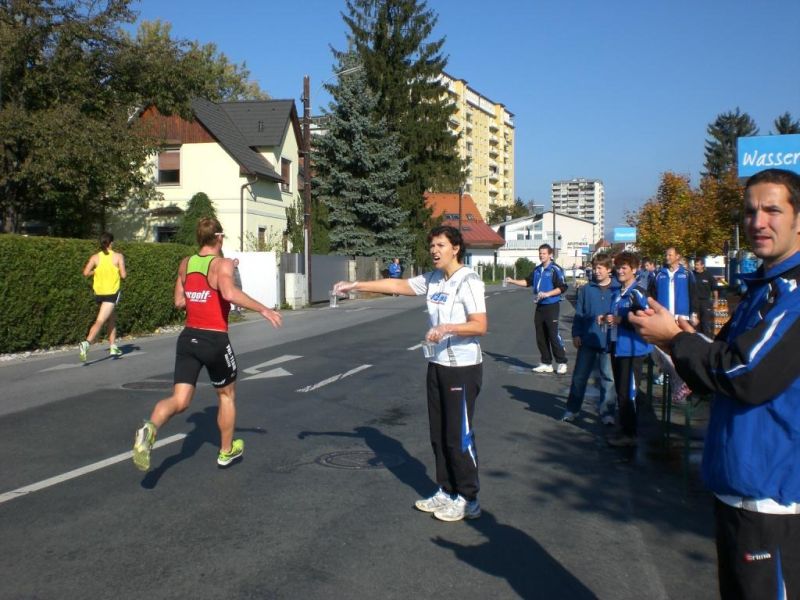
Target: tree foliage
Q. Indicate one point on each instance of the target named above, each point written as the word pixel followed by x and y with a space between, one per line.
pixel 403 68
pixel 785 125
pixel 499 213
pixel 720 153
pixel 70 78
pixel 697 222
pixel 358 170
pixel 200 207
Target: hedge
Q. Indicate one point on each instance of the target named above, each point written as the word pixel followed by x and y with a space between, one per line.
pixel 47 302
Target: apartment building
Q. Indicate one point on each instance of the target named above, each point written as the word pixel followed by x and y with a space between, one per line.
pixel 583 198
pixel 485 131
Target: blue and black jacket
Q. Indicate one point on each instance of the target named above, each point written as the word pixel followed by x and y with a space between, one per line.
pixel 593 300
pixel 684 291
pixel 546 279
pixel 752 446
pixel 627 341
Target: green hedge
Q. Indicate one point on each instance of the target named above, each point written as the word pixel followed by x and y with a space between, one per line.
pixel 46 301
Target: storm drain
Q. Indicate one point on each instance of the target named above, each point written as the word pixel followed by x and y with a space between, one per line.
pixel 153 384
pixel 357 460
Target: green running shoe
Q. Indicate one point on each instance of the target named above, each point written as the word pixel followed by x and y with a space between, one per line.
pixel 142 444
pixel 83 348
pixel 226 458
pixel 114 351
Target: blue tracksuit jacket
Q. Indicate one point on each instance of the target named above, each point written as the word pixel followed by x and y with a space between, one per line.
pixel 683 295
pixel 546 279
pixel 628 342
pixel 592 300
pixel 752 446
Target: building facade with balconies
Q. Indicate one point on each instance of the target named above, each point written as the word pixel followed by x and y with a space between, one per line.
pixel 485 131
pixel 583 198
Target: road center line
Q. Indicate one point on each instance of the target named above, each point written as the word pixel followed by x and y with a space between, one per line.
pixel 35 487
pixel 311 388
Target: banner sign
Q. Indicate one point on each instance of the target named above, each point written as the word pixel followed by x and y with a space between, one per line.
pixel 761 152
pixel 624 234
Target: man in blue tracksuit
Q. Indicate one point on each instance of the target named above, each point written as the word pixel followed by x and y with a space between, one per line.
pixel 548 283
pixel 590 337
pixel 673 287
pixel 751 455
pixel 628 349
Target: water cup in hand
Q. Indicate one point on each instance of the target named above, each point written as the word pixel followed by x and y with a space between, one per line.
pixel 428 349
pixel 333 299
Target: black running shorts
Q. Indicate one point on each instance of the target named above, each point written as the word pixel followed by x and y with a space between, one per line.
pixel 113 298
pixel 198 348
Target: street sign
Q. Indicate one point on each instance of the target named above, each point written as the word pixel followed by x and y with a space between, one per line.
pixel 624 234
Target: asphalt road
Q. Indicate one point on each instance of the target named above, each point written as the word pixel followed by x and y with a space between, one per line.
pixel 333 414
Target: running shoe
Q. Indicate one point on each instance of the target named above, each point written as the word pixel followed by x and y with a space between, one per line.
pixel 83 349
pixel 436 502
pixel 568 416
pixel 236 452
pixel 543 368
pixel 114 350
pixel 561 369
pixel 459 509
pixel 142 444
pixel 609 420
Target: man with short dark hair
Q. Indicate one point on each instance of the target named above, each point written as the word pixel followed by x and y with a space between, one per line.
pixel 548 283
pixel 706 293
pixel 751 455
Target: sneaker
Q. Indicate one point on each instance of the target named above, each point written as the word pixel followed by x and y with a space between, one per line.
pixel 543 368
pixel 436 502
pixel 236 452
pixel 83 349
pixel 142 444
pixel 622 441
pixel 114 351
pixel 609 421
pixel 658 380
pixel 459 509
pixel 561 369
pixel 568 416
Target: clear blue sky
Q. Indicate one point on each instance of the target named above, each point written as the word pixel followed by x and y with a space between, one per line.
pixel 619 91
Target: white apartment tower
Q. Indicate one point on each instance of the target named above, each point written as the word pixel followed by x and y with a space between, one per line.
pixel 584 198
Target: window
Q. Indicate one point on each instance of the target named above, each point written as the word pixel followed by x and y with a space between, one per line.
pixel 286 174
pixel 166 233
pixel 169 166
pixel 262 238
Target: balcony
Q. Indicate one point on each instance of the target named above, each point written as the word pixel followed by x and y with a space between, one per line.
pixel 493 151
pixel 493 139
pixel 493 126
pixel 493 177
pixel 493 190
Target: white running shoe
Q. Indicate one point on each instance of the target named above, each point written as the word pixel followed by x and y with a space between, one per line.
pixel 83 349
pixel 561 369
pixel 459 509
pixel 609 420
pixel 543 368
pixel 568 416
pixel 436 502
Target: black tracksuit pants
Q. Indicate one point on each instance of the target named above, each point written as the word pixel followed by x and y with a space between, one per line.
pixel 452 392
pixel 548 340
pixel 627 375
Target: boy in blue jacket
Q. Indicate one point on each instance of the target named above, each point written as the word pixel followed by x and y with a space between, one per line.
pixel 628 350
pixel 590 337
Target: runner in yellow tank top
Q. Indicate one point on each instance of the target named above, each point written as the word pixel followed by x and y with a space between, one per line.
pixel 108 268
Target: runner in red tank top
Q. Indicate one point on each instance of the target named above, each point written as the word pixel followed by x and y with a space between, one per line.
pixel 205 288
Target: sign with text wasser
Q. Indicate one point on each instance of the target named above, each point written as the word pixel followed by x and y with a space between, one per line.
pixel 624 234
pixel 761 152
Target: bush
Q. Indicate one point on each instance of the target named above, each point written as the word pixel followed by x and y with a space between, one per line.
pixel 47 301
pixel 524 267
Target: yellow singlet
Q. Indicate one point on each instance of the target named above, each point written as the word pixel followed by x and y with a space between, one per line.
pixel 106 275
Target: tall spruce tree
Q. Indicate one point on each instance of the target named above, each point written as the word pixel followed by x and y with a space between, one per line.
pixel 785 125
pixel 200 207
pixel 721 146
pixel 403 68
pixel 358 169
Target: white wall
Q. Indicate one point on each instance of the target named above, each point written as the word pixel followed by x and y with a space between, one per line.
pixel 259 273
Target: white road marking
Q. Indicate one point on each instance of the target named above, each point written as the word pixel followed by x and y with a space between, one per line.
pixel 310 388
pixel 35 487
pixel 357 309
pixel 61 367
pixel 279 372
pixel 275 361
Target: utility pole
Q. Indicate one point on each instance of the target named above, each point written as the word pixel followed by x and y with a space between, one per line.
pixel 307 180
pixel 460 194
pixel 555 242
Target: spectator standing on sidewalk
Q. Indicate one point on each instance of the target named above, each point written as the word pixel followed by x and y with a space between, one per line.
pixel 707 293
pixel 548 283
pixel 395 270
pixel 751 454
pixel 646 273
pixel 457 315
pixel 628 349
pixel 590 337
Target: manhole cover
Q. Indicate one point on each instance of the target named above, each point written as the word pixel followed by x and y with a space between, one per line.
pixel 147 385
pixel 359 460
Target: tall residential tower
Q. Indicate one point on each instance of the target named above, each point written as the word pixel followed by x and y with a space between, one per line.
pixel 486 145
pixel 584 198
